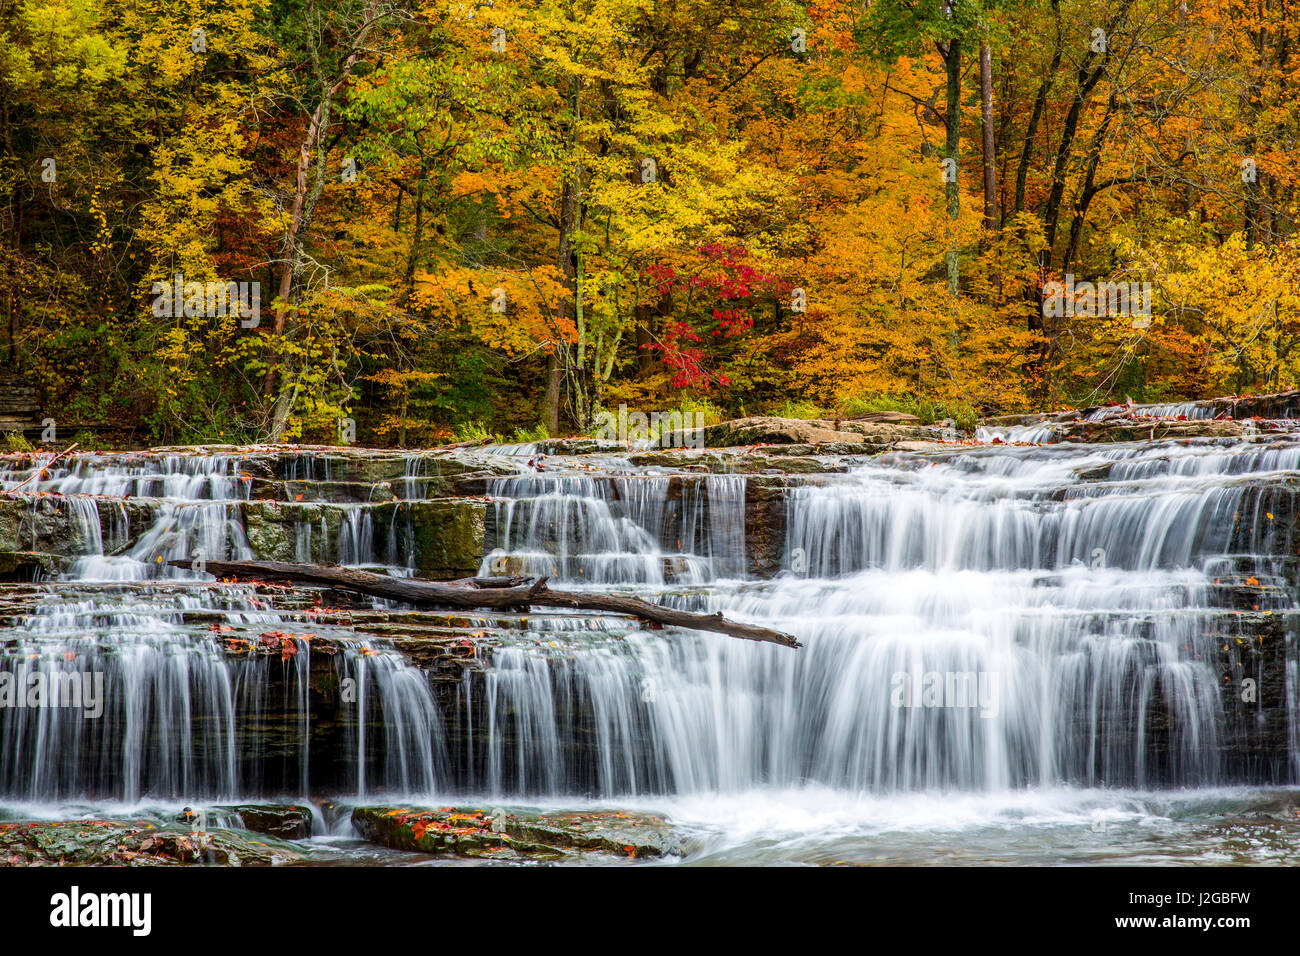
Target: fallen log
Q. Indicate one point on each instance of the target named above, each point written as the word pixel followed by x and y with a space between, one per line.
pixel 497 581
pixel 39 470
pixel 510 597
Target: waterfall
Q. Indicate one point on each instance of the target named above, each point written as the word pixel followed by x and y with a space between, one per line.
pixel 980 619
pixel 356 542
pixel 1188 410
pixel 988 619
pixel 130 699
pixel 1034 434
pixel 642 529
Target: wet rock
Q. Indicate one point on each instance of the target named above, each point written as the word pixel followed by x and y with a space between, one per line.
pixel 781 431
pixel 848 434
pixel 785 459
pixel 28 565
pixel 336 492
pixel 920 445
pixel 135 843
pixel 791 457
pixel 675 567
pixel 35 524
pixel 580 446
pixel 765 525
pixel 336 464
pixel 370 466
pixel 275 530
pixel 1277 406
pixel 890 433
pixel 285 822
pixel 1251 659
pixel 446 535
pixel 497 834
pixel 1145 429
pixel 443 537
pixel 1097 473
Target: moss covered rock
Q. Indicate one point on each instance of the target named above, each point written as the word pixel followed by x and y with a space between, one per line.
pixel 445 534
pixel 136 843
pixel 498 834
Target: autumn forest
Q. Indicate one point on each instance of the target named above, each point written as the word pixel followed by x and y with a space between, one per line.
pixel 441 221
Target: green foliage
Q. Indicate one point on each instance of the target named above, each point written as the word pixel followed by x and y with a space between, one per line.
pixel 926 410
pixel 86 440
pixel 691 407
pixel 791 408
pixel 473 431
pixel 502 257
pixel 16 441
pixel 896 28
pixel 524 435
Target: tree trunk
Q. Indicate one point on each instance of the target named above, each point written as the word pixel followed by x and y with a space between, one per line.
pixel 1087 80
pixel 558 361
pixel 1040 104
pixel 551 401
pixel 417 229
pixel 644 336
pixel 303 204
pixel 487 593
pixel 990 152
pixel 952 146
pixel 1089 188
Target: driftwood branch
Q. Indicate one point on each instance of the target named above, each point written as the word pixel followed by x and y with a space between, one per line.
pixel 40 469
pixel 504 594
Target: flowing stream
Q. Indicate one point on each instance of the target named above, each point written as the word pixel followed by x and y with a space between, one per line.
pixel 1068 652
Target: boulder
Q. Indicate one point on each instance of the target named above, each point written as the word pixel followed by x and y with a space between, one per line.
pixel 1146 429
pixel 136 843
pixel 864 435
pixel 496 834
pixel 284 821
pixel 28 565
pixel 778 431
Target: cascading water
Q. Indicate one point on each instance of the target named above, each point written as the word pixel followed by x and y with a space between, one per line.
pixel 1190 410
pixel 647 529
pixel 977 620
pixel 1049 430
pixel 1033 434
pixel 153 705
pixel 357 536
pixel 991 619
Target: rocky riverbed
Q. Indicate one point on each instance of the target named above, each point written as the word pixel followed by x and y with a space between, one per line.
pixel 277 835
pixel 1129 572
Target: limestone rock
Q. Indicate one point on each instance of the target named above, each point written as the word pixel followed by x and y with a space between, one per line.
pixel 493 833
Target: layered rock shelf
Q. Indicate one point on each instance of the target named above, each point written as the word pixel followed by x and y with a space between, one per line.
pixel 333 693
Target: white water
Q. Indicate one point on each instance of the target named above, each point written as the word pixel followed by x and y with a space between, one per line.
pixel 179 710
pixel 1085 610
pixel 647 529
